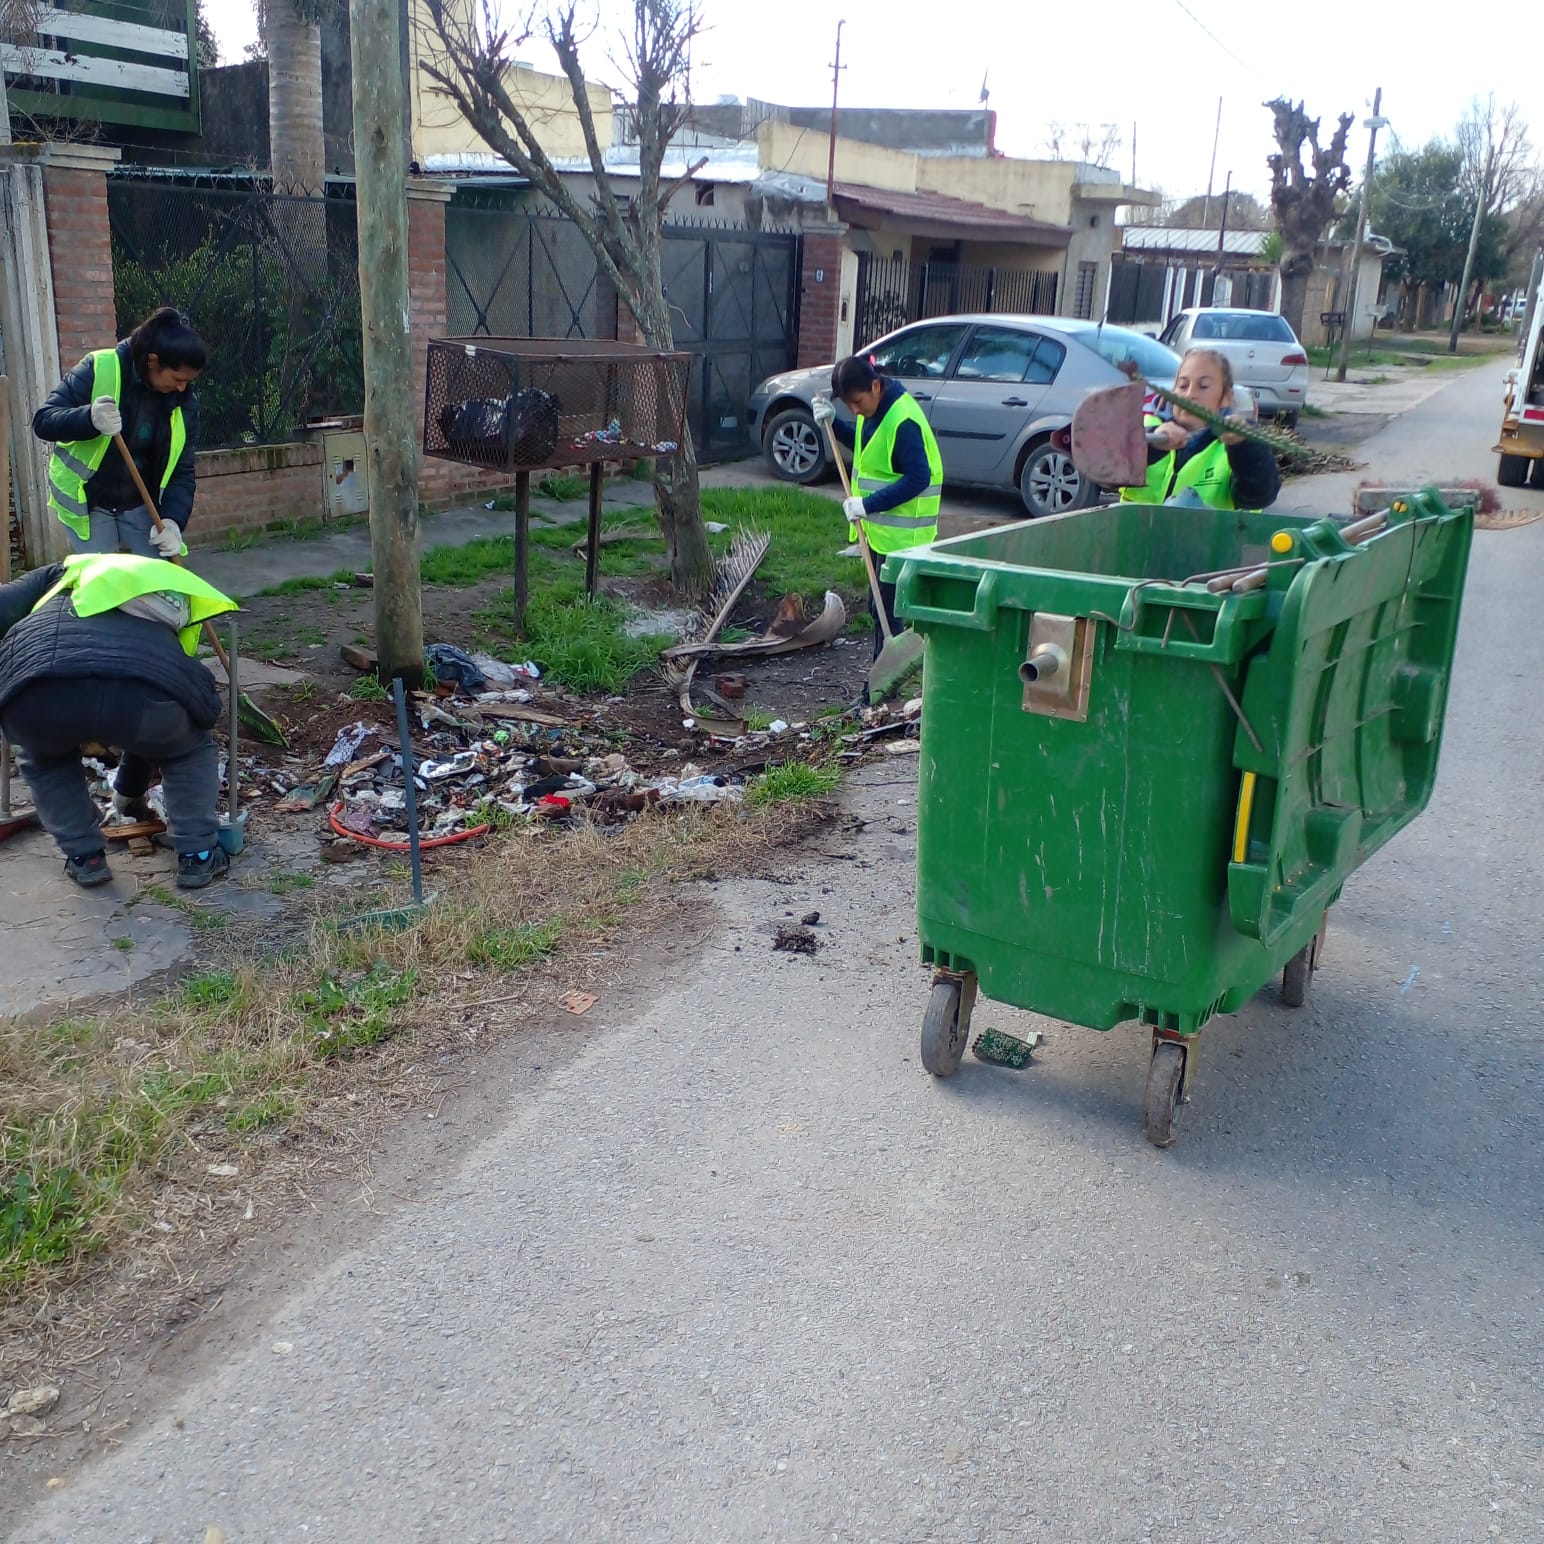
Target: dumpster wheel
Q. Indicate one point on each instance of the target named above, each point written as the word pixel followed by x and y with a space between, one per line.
pixel 1298 974
pixel 1164 1093
pixel 946 1024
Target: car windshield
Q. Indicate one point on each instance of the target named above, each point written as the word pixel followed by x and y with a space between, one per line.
pixel 1241 327
pixel 1119 345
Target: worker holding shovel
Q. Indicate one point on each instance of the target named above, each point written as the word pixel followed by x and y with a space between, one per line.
pixel 141 389
pixel 101 648
pixel 1222 470
pixel 897 471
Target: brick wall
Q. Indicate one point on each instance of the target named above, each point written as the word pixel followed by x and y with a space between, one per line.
pixel 242 492
pixel 82 259
pixel 820 289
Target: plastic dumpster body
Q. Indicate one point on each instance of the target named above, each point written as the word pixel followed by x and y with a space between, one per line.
pixel 1156 741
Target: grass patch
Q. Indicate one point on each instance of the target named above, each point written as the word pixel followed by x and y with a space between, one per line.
pixel 807 533
pixel 124 945
pixel 459 567
pixel 1310 411
pixel 107 1118
pixel 506 949
pixel 578 642
pixel 368 688
pixel 200 918
pixel 793 782
pixel 565 487
pixel 288 884
pixel 301 586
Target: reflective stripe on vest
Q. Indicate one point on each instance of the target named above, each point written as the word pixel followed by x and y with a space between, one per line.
pixel 1208 472
pixel 75 462
pixel 914 523
pixel 100 581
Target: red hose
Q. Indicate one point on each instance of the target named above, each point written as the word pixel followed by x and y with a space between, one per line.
pixel 423 845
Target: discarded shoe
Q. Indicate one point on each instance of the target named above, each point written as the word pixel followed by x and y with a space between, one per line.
pixel 197 869
pixel 90 870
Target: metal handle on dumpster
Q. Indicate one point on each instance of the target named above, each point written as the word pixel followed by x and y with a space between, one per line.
pixel 981 617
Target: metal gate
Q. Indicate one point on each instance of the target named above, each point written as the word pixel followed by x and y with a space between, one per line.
pixel 522 273
pixel 733 297
pixel 893 292
pixel 733 293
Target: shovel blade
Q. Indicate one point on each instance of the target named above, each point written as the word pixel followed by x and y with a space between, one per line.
pixel 1109 443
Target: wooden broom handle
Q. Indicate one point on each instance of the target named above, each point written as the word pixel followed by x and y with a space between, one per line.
pixel 160 524
pixel 863 546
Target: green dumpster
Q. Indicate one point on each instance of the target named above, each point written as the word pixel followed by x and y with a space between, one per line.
pixel 1156 741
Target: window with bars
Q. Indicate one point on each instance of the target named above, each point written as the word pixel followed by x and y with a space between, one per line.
pixel 1083 294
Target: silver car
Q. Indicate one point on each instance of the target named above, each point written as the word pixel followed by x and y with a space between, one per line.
pixel 1261 349
pixel 999 392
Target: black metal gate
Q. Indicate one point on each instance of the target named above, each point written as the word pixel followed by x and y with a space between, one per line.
pixel 522 273
pixel 526 272
pixel 1136 293
pixel 893 292
pixel 733 297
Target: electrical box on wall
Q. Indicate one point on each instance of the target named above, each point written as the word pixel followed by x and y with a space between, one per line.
pixel 344 487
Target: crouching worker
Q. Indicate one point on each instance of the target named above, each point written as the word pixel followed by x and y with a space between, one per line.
pixel 100 648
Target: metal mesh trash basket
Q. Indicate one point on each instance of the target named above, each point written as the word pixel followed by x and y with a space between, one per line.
pixel 516 404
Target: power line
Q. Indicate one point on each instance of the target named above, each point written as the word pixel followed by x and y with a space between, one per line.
pixel 1213 36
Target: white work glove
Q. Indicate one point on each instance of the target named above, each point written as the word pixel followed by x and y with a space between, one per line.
pixel 105 417
pixel 853 509
pixel 168 540
pixel 824 410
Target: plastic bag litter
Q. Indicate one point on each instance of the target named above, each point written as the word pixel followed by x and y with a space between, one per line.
pixel 699 790
pixel 346 747
pixel 454 666
pixel 501 673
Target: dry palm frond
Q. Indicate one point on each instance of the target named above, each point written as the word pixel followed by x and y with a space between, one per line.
pixel 735 570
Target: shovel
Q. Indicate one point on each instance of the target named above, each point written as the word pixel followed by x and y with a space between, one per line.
pixel 899 656
pixel 251 715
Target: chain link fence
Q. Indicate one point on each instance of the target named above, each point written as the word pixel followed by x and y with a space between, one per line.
pixel 271 283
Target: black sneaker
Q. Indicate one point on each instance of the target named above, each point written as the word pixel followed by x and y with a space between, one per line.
pixel 90 870
pixel 197 869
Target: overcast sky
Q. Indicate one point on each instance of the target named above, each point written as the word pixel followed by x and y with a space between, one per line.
pixel 1160 64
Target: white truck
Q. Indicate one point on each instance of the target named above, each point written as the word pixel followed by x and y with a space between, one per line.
pixel 1521 446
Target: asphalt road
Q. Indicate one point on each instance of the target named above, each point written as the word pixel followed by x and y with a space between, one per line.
pixel 742 1271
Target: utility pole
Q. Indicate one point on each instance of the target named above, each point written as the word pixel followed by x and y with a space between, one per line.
pixel 1206 209
pixel 391 439
pixel 1372 125
pixel 836 82
pixel 1222 235
pixel 1133 153
pixel 1480 206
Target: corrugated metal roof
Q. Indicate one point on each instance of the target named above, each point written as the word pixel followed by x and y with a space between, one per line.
pixel 1167 238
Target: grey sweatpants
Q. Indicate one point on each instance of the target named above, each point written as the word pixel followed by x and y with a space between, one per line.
pixel 48 722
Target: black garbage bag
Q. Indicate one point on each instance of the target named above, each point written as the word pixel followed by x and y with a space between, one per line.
pixel 454 667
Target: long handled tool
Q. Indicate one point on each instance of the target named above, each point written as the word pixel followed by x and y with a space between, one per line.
pixel 251 715
pixel 900 655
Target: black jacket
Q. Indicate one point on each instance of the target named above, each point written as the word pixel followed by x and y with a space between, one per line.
pixel 147 430
pixel 54 644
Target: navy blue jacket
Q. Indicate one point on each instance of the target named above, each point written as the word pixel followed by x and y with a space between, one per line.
pixel 147 430
pixel 908 456
pixel 56 645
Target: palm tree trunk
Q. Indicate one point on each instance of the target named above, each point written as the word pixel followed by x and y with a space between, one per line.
pixel 296 150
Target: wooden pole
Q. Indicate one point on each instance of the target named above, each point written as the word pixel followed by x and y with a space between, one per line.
pixel 522 549
pixel 5 475
pixel 391 440
pixel 1481 209
pixel 592 548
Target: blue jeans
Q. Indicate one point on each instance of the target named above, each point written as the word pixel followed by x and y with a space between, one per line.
pixel 125 532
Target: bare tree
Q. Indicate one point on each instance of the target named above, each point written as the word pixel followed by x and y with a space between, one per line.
pixel 1501 181
pixel 469 65
pixel 1303 197
pixel 1092 144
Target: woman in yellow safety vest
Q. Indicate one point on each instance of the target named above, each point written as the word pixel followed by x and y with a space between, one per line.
pixel 1185 455
pixel 897 471
pixel 142 389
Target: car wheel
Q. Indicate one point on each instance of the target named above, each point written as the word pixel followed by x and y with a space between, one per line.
pixel 794 447
pixel 1050 484
pixel 1287 420
pixel 1512 471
